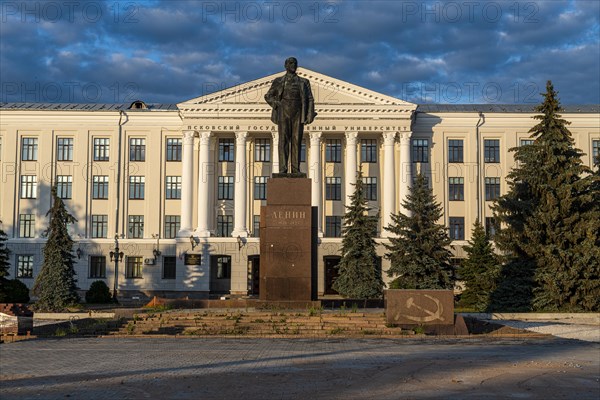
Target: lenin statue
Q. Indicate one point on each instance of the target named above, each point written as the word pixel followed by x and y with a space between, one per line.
pixel 293 106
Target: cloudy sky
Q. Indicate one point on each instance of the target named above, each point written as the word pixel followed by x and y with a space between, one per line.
pixel 420 51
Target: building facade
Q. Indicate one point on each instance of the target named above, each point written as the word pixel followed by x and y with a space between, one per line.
pixel 168 196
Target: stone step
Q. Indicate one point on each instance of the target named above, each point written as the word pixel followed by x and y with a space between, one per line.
pixel 257 323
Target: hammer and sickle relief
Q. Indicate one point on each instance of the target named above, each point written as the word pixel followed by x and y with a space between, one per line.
pixel 431 315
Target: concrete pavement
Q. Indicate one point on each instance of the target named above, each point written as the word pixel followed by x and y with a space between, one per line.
pixel 238 368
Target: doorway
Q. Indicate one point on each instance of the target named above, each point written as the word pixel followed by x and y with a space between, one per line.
pixel 253 275
pixel 331 272
pixel 220 274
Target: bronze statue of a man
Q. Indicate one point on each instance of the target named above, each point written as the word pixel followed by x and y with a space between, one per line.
pixel 293 106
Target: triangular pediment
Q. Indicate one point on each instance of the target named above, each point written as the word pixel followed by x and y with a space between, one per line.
pixel 327 91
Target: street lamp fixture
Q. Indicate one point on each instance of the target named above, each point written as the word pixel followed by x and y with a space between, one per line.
pixel 193 242
pixel 114 255
pixel 156 252
pixel 240 242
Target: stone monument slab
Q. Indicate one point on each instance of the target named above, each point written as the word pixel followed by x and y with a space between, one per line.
pixel 287 242
pixel 419 307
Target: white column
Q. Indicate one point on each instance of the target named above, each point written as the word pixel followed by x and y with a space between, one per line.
pixel 315 173
pixel 275 162
pixel 187 184
pixel 389 181
pixel 350 165
pixel 205 177
pixel 239 196
pixel 405 168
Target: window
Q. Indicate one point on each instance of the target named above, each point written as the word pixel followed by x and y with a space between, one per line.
pixel 24 266
pixel 225 188
pixel 136 187
pixel 370 188
pixel 456 264
pixel 457 228
pixel 172 226
pixel 333 188
pixel 456 189
pixel 455 151
pixel 64 149
pixel 260 187
pixel 100 187
pixel 99 226
pixel 135 228
pixel 420 150
pixel 29 148
pixel 101 149
pixel 173 187
pixel 97 267
pixel 226 150
pixel 137 149
pixel 491 151
pixel 26 225
pixel 169 267
pixel 303 152
pixel 491 226
pixel 333 226
pixel 64 186
pixel 173 149
pixel 223 267
pixel 333 150
pixel 133 267
pixel 28 186
pixel 492 188
pixel 526 142
pixel 224 225
pixel 262 150
pixel 256 225
pixel 596 152
pixel 368 150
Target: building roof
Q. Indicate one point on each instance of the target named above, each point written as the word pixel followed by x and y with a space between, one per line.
pixel 424 108
pixel 503 108
pixel 85 107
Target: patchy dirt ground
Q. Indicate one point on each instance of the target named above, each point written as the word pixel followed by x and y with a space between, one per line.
pixel 236 368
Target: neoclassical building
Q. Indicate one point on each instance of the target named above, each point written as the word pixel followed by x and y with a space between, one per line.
pixel 168 196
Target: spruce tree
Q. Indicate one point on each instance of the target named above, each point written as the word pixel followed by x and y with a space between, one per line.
pixel 55 285
pixel 4 257
pixel 552 221
pixel 479 270
pixel 359 275
pixel 4 267
pixel 419 250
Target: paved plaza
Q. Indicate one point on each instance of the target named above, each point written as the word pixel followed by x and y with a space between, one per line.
pixel 238 368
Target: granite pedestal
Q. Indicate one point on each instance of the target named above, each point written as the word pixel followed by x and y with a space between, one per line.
pixel 288 242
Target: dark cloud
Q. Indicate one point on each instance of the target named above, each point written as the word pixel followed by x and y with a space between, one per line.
pixel 421 51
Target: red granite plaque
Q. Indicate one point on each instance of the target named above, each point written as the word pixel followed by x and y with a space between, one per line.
pixel 287 241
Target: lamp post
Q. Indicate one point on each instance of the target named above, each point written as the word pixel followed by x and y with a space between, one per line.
pixel 116 256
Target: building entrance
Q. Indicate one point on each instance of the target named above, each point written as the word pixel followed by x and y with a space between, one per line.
pixel 253 275
pixel 331 272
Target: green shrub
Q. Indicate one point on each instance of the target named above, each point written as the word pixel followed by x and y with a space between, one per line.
pixel 14 291
pixel 98 293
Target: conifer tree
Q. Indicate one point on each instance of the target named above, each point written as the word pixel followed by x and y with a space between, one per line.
pixel 55 285
pixel 359 272
pixel 552 221
pixel 4 267
pixel 4 257
pixel 479 270
pixel 419 250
